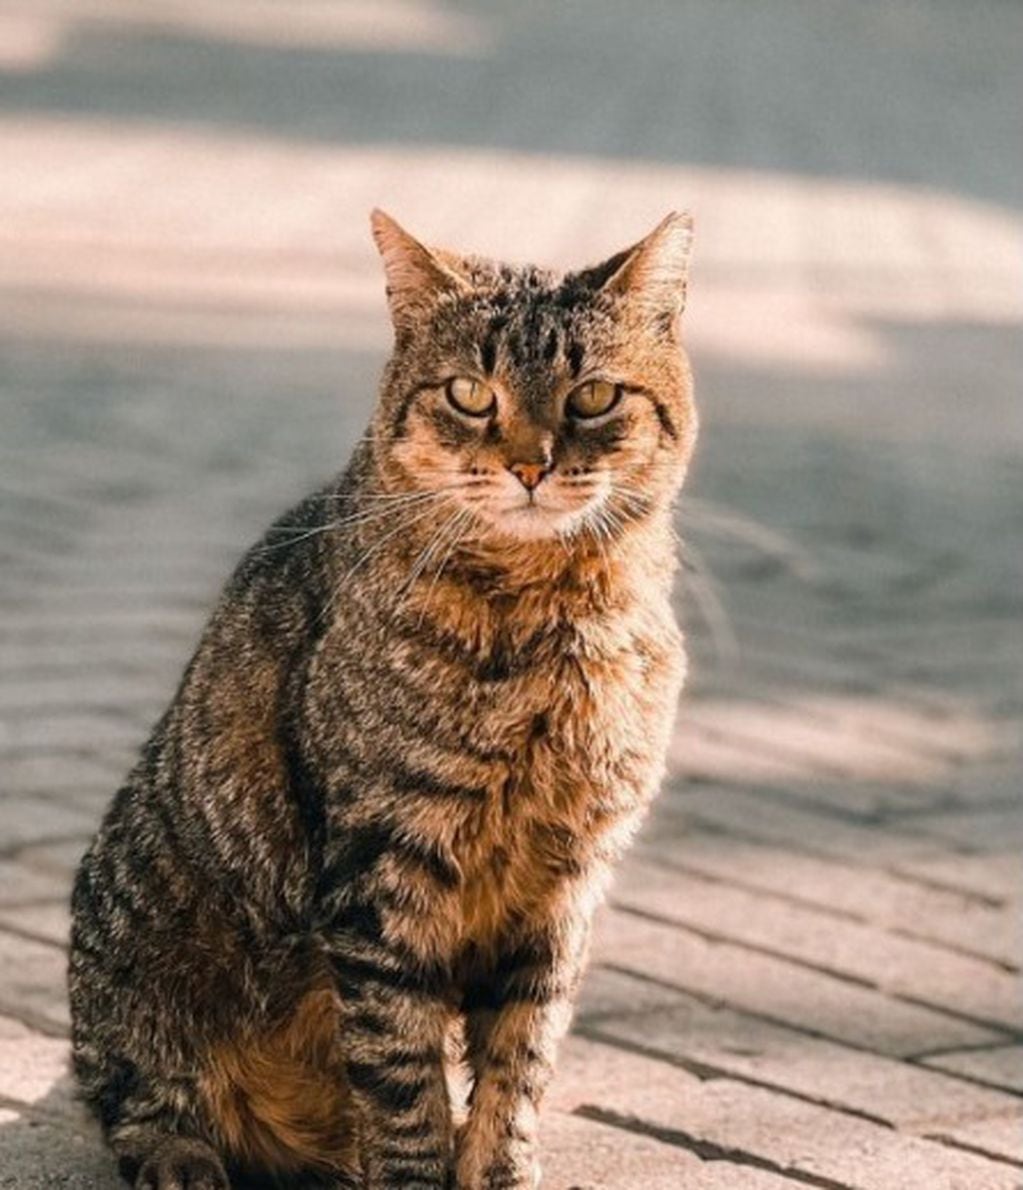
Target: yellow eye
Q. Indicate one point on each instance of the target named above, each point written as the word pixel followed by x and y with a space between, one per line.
pixel 470 396
pixel 593 399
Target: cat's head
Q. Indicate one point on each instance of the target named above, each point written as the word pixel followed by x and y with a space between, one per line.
pixel 541 404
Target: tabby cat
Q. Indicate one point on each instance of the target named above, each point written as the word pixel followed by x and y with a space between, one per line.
pixel 425 718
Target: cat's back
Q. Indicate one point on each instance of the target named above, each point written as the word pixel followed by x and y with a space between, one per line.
pixel 210 805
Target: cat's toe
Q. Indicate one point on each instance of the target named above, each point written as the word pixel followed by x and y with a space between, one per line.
pixel 182 1165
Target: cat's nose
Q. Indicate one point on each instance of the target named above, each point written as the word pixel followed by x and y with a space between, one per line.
pixel 528 474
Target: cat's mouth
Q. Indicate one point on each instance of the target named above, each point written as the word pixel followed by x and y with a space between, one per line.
pixel 540 514
pixel 533 523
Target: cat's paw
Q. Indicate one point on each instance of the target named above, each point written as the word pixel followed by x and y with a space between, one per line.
pixel 181 1164
pixel 498 1174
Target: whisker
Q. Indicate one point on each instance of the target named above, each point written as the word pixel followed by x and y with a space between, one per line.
pixel 710 606
pixel 708 516
pixel 598 527
pixel 342 522
pixel 423 559
pixel 279 545
pixel 399 497
pixel 359 496
pixel 421 516
pixel 767 540
pixel 459 534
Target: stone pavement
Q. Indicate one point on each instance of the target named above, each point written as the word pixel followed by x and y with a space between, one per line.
pixel 809 970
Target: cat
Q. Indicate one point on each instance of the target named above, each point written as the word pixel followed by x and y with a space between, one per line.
pixel 424 720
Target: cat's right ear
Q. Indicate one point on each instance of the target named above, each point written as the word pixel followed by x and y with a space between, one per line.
pixel 416 275
pixel 653 273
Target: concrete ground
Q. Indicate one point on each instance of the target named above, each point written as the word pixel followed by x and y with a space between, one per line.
pixel 809 970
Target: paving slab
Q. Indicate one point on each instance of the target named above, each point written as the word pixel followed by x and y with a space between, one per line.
pixel 46 921
pixel 994 878
pixel 35 1070
pixel 798 1139
pixel 32 982
pixel 913 970
pixel 44 1154
pixel 779 990
pixel 29 820
pixel 589 1155
pixel 20 884
pixel 850 891
pixel 1000 1137
pixel 1000 1066
pixel 718 1043
pixel 740 809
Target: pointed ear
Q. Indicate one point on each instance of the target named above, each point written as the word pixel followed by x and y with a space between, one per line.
pixel 653 273
pixel 416 275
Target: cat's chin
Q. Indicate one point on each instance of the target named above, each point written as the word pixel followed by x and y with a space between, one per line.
pixel 533 522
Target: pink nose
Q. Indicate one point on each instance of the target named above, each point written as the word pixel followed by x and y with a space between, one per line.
pixel 528 474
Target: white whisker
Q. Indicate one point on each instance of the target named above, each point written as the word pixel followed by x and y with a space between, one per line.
pixel 462 524
pixel 710 605
pixel 420 515
pixel 423 559
pixel 711 517
pixel 357 518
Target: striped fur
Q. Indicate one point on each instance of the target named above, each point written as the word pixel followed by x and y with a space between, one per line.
pixel 423 722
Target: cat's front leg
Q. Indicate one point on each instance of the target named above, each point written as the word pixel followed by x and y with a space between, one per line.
pixel 393 1028
pixel 514 1023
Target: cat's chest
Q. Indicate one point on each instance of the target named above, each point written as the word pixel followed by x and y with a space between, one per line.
pixel 580 704
pixel 582 736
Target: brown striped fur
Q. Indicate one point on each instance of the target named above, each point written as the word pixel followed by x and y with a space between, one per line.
pixel 425 719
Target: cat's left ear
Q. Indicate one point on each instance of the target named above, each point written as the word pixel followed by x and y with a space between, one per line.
pixel 416 275
pixel 654 272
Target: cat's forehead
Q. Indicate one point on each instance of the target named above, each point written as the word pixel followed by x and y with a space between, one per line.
pixel 524 288
pixel 526 317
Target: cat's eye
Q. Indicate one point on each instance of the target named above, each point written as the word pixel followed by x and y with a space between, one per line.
pixel 470 397
pixel 593 399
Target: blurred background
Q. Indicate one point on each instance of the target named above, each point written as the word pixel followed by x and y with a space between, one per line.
pixel 810 967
